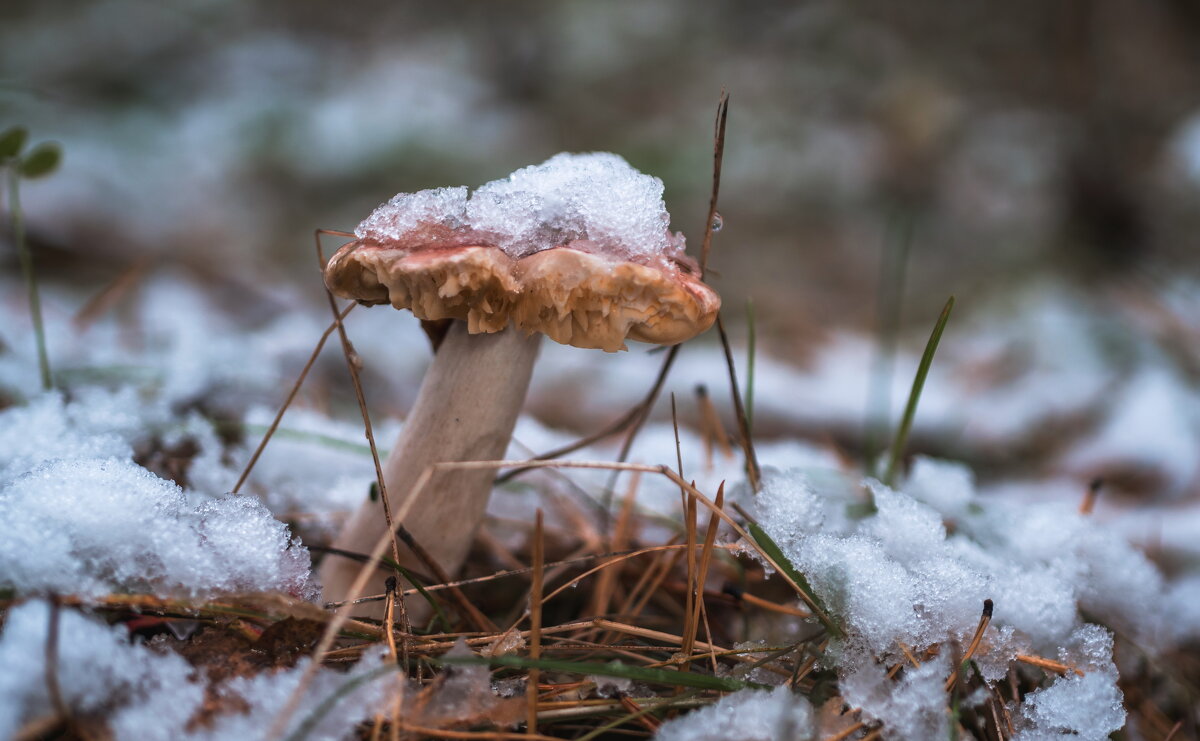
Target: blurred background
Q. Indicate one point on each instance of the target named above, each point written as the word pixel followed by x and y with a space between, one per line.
pixel 1040 161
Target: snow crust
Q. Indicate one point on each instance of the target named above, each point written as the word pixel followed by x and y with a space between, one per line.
pixel 914 707
pixel 899 576
pixel 749 715
pixel 91 526
pixel 1086 707
pixel 84 472
pixel 596 199
pixel 154 695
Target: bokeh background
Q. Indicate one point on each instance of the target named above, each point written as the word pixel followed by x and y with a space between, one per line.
pixel 1040 161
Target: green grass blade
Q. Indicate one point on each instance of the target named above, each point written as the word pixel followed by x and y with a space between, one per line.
pixel 914 396
pixel 31 285
pixel 316 438
pixel 889 300
pixel 771 548
pixel 669 677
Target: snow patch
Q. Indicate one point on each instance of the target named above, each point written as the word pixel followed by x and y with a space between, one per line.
pixel 595 199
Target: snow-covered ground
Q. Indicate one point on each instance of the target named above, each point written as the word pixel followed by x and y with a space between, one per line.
pixel 89 511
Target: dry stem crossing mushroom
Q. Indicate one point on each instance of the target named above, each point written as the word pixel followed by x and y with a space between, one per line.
pixel 577 248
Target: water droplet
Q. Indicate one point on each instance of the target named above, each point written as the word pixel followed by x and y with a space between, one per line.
pixel 717 222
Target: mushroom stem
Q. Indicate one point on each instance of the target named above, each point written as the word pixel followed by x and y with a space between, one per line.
pixel 465 411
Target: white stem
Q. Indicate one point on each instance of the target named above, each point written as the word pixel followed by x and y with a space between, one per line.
pixel 465 411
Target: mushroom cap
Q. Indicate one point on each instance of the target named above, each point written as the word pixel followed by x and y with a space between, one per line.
pixel 577 248
pixel 575 294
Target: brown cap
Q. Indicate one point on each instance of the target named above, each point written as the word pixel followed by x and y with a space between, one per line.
pixel 576 294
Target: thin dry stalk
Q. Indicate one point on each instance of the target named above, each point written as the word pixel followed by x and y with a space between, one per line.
pixel 1089 498
pixel 648 404
pixel 711 427
pixel 607 581
pixel 614 561
pixel 395 525
pixel 994 714
pixel 984 620
pixel 847 733
pixel 689 523
pixel 690 618
pixel 708 635
pixel 109 296
pixel 1048 664
pixel 656 635
pixel 636 416
pixel 718 156
pixel 753 472
pixel 389 620
pixel 472 613
pixel 678 450
pixel 649 723
pixel 710 539
pixel 998 699
pixel 804 669
pixel 611 559
pixel 424 732
pixel 535 625
pixel 908 654
pixel 312 358
pixel 765 604
pixel 353 362
pixel 38 728
pixel 342 614
pixel 651 586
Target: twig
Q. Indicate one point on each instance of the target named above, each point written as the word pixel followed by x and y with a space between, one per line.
pixel 656 635
pixel 395 526
pixel 535 625
pixel 1089 499
pixel 343 613
pixel 1048 664
pixel 290 397
pixel 753 473
pixel 102 302
pixel 640 714
pixel 710 537
pixel 606 583
pixel 352 363
pixel 984 620
pixel 711 423
pixel 644 414
pixel 718 156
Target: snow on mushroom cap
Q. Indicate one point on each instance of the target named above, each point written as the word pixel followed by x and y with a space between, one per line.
pixel 596 197
pixel 577 248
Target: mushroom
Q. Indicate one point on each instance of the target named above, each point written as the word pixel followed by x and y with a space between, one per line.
pixel 577 249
